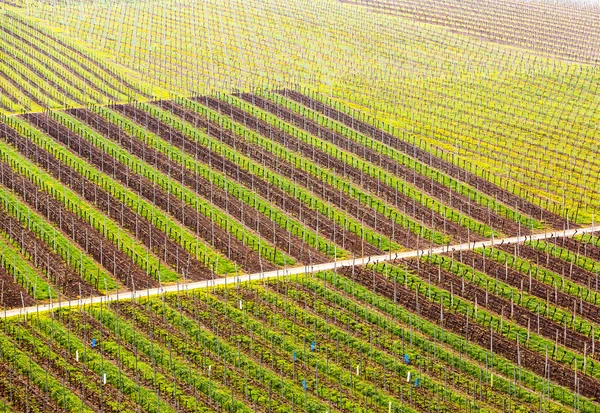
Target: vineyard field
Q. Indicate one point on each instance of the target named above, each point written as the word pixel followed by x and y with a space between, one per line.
pixel 481 330
pixel 515 102
pixel 130 196
pixel 354 206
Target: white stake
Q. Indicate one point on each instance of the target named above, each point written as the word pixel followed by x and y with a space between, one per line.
pixel 77 356
pixel 103 378
pixel 408 377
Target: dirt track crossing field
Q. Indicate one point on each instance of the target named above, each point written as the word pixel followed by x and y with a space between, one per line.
pixel 132 295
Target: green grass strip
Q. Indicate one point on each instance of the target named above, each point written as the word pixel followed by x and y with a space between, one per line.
pixel 40 377
pixel 484 317
pixel 5 407
pixel 589 239
pixel 302 323
pixel 564 254
pixel 541 274
pixel 68 57
pixel 175 364
pixel 311 167
pixel 57 241
pixel 147 399
pixel 24 85
pixel 419 345
pixel 458 343
pixel 519 297
pixel 229 352
pixel 54 79
pixel 322 173
pixel 407 131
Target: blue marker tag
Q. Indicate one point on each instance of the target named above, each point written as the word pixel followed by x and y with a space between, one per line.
pixel 294 356
pixel 312 346
pixel 94 342
pixel 304 384
pixel 416 382
pixel 406 359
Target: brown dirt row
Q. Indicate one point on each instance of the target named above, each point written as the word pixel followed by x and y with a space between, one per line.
pixel 155 239
pixel 585 249
pixel 524 282
pixel 57 270
pixel 501 306
pixel 2 106
pixel 10 3
pixel 62 63
pixel 479 183
pixel 374 334
pixel 420 182
pixel 25 92
pixel 482 335
pixel 267 228
pixel 158 324
pixel 261 351
pixel 228 244
pixel 371 218
pixel 82 233
pixel 6 94
pixel 108 335
pixel 11 291
pixel 41 255
pixel 436 189
pixel 407 205
pixel 390 195
pixel 324 339
pixel 561 267
pixel 308 217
